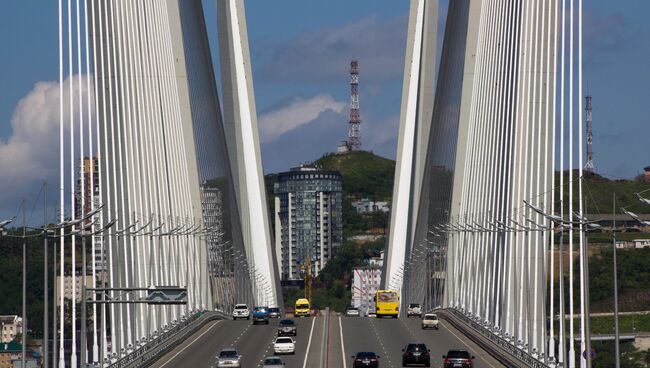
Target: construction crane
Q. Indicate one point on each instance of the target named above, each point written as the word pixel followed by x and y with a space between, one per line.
pixel 307 277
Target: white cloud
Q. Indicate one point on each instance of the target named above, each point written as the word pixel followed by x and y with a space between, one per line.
pixel 30 155
pixel 298 112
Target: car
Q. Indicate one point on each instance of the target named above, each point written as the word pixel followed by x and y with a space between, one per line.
pixel 287 327
pixel 458 358
pixel 365 359
pixel 352 312
pixel 414 309
pixel 430 320
pixel 273 362
pixel 241 311
pixel 274 312
pixel 229 358
pixel 260 315
pixel 416 354
pixel 284 345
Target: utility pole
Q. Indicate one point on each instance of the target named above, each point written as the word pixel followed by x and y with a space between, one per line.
pixel 617 356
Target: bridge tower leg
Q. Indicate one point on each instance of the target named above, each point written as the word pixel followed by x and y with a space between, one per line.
pixel 415 122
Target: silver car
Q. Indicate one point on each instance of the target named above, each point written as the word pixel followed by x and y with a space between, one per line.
pixel 229 358
pixel 273 362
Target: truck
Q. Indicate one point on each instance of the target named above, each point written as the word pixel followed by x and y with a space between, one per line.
pixel 303 308
pixel 260 315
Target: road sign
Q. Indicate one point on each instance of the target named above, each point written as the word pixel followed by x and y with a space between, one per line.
pixel 167 295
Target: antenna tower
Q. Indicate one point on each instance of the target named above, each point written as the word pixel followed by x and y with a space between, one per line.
pixel 354 131
pixel 589 165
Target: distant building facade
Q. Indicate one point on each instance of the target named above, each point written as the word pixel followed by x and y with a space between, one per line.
pixel 9 352
pixel 367 206
pixel 87 199
pixel 308 219
pixel 67 287
pixel 365 283
pixel 11 326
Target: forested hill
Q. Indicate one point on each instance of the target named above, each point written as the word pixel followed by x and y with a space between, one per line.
pixel 364 173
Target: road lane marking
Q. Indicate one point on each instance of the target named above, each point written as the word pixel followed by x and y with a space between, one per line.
pixel 383 348
pixel 190 344
pixel 304 364
pixel 342 346
pixel 323 339
pixel 465 341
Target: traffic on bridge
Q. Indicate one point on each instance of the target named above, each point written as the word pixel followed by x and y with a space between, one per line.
pixel 328 339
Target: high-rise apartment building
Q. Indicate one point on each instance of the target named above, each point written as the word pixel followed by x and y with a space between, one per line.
pixel 90 190
pixel 87 198
pixel 308 220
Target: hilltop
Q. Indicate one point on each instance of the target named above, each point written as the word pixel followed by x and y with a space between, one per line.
pixel 364 173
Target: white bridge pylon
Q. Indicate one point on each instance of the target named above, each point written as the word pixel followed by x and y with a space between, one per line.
pixel 477 217
pixel 166 188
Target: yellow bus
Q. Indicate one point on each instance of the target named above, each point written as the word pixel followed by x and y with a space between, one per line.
pixel 303 308
pixel 387 303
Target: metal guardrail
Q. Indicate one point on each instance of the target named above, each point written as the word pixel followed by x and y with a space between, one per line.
pixel 504 346
pixel 168 340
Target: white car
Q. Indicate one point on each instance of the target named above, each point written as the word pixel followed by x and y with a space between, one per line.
pixel 284 345
pixel 241 311
pixel 352 312
pixel 430 320
pixel 414 309
pixel 229 358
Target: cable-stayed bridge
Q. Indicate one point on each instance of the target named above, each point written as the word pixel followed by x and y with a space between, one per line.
pixel 178 208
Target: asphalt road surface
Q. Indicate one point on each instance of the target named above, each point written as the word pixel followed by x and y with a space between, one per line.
pixel 321 342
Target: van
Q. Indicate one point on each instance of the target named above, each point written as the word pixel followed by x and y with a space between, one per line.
pixel 303 308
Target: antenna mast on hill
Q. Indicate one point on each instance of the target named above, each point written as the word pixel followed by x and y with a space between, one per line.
pixel 354 131
pixel 589 165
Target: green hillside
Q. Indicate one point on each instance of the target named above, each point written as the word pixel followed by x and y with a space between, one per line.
pixel 364 173
pixel 598 193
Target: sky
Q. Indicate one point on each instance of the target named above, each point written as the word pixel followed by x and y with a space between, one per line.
pixel 300 52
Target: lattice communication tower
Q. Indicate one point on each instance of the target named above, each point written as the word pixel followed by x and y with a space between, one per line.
pixel 354 130
pixel 589 165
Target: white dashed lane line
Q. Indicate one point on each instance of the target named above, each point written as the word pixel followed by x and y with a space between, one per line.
pixel 241 334
pixel 383 348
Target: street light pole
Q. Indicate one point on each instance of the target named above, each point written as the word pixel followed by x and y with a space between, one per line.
pixel 24 336
pixel 45 293
pixel 84 319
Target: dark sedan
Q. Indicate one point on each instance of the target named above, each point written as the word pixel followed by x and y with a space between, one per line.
pixel 287 327
pixel 416 354
pixel 365 359
pixel 274 312
pixel 457 359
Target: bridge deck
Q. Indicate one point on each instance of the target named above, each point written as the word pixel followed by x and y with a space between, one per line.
pixel 386 337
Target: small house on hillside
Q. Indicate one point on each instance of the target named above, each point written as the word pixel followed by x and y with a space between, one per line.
pixel 641 243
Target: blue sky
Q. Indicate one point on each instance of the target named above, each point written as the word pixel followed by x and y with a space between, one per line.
pixel 300 54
